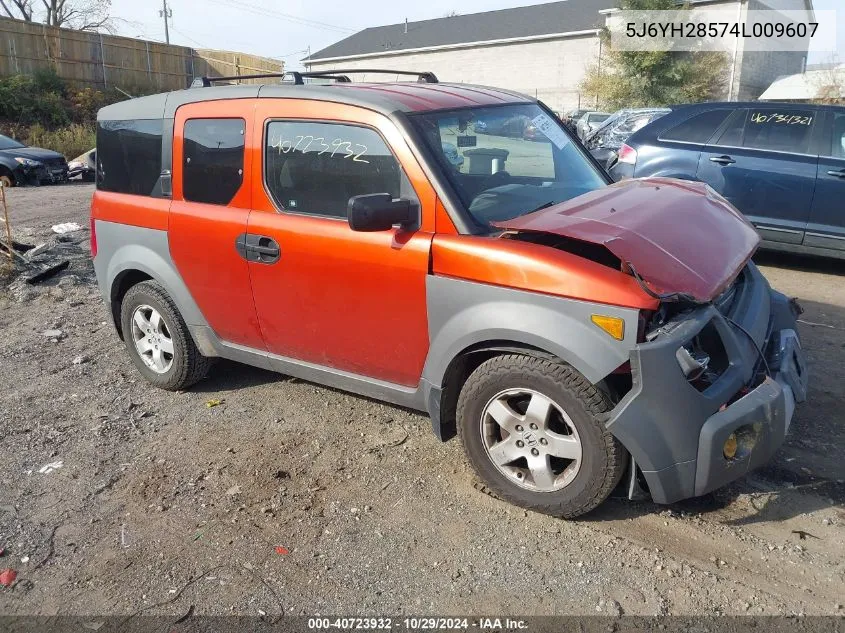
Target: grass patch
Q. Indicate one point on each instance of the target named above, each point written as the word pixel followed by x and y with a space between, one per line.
pixel 70 140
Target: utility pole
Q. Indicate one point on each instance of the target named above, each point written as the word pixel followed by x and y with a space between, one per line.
pixel 165 13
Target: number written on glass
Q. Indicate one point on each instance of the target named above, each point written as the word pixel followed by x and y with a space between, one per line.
pixel 307 142
pixel 784 119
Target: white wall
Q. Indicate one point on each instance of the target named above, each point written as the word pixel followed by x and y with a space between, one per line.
pixel 549 69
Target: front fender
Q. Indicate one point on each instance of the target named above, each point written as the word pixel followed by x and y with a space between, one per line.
pixel 462 314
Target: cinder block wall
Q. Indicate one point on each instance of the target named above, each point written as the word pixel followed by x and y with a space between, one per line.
pixel 549 69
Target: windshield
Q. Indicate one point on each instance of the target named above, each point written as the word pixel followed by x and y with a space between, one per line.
pixel 597 118
pixel 507 161
pixel 8 143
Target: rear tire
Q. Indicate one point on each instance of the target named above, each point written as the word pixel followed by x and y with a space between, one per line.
pixel 555 456
pixel 158 339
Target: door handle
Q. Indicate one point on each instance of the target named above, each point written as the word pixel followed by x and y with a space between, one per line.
pixel 838 174
pixel 722 160
pixel 257 248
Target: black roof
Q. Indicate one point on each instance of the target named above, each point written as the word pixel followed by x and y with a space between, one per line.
pixel 534 20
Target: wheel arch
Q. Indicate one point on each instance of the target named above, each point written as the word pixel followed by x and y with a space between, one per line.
pixel 130 255
pixel 444 421
pixel 467 318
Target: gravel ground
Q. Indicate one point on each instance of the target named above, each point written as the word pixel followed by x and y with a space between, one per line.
pixel 119 499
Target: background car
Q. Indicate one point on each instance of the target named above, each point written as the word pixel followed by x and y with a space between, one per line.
pixel 20 164
pixel 589 122
pixel 607 138
pixel 781 164
pixel 513 126
pixel 84 165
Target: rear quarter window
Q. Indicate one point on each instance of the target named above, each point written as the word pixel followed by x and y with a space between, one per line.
pixel 129 156
pixel 698 128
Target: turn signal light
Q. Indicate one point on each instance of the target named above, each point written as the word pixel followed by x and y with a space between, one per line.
pixel 610 324
pixel 730 447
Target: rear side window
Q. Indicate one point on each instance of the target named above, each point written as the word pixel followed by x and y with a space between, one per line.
pixel 213 160
pixel 315 168
pixel 129 156
pixel 698 128
pixel 775 130
pixel 782 130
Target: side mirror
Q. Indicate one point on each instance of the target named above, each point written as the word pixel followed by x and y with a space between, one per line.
pixel 380 212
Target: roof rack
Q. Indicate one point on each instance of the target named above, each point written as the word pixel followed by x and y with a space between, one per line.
pixel 298 77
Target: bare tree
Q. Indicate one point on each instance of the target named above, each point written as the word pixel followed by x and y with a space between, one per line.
pixel 23 9
pixel 830 83
pixel 83 15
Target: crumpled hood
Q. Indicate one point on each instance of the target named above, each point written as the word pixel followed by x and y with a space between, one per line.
pixel 680 236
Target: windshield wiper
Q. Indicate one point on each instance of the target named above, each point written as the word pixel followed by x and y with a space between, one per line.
pixel 545 205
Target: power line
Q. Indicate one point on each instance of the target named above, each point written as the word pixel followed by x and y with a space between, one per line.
pixel 189 38
pixel 264 12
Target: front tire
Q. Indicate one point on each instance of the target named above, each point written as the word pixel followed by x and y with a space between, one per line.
pixel 6 178
pixel 158 339
pixel 532 429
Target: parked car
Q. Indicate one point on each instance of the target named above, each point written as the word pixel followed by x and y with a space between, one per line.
pixel 22 165
pixel 502 125
pixel 84 166
pixel 589 122
pixel 569 330
pixel 607 138
pixel 781 164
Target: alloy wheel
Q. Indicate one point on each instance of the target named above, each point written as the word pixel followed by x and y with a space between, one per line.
pixel 152 339
pixel 531 440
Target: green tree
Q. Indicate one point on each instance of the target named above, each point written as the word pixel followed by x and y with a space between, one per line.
pixel 629 79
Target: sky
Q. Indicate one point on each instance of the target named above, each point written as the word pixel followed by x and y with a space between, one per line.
pixel 285 29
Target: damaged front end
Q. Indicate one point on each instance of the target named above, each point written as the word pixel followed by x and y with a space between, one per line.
pixel 714 389
pixel 718 366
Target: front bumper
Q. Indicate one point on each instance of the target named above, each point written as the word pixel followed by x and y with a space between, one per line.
pixel 40 174
pixel 676 432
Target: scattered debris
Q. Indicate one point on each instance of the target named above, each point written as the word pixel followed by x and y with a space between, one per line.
pixel 56 334
pixel 236 489
pixel 46 469
pixel 20 247
pixel 2 551
pixel 80 359
pixel 47 272
pixel 25 559
pixel 282 551
pixel 214 403
pixel 66 227
pixel 803 535
pixel 93 626
pixel 7 577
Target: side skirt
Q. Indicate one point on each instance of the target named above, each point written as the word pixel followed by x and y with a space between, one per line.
pixel 412 397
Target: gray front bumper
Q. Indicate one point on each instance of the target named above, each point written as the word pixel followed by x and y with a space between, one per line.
pixel 676 433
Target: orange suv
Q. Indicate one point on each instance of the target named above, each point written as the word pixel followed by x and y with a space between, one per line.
pixel 396 241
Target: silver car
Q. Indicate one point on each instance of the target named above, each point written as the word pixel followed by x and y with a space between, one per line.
pixel 589 122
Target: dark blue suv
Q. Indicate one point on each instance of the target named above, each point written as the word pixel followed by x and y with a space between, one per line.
pixel 780 164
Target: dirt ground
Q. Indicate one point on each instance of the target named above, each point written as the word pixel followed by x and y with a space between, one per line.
pixel 116 498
